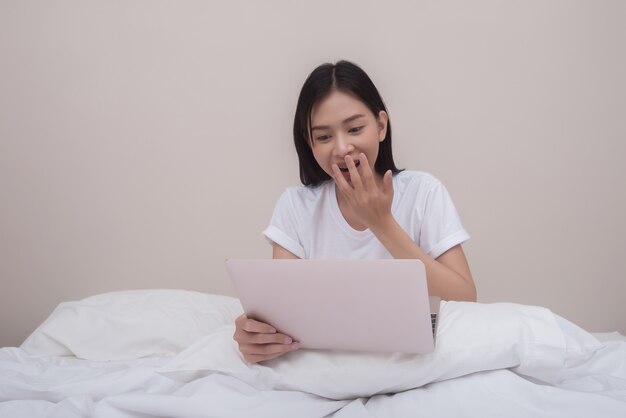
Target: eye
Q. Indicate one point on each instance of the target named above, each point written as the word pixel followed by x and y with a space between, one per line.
pixel 356 129
pixel 322 138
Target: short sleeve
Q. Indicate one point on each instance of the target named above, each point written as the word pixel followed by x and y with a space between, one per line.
pixel 283 228
pixel 441 227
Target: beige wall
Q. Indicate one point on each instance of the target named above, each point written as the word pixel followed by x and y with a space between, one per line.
pixel 143 142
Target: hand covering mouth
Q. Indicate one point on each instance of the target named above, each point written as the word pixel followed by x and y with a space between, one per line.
pixel 344 168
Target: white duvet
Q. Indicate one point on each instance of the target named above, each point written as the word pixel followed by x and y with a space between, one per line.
pixel 167 353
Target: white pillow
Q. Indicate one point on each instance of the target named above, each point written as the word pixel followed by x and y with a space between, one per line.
pixel 131 324
pixel 580 345
pixel 471 337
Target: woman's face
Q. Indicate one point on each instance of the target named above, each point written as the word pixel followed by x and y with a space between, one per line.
pixel 342 125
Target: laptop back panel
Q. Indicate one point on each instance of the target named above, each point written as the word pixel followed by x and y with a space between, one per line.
pixel 370 305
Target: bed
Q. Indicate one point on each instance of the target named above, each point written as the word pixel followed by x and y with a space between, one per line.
pixel 170 353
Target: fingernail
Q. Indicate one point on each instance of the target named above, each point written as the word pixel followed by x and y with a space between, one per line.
pixel 295 345
pixel 288 340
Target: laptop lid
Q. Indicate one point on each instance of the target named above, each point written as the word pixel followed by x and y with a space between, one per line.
pixel 366 305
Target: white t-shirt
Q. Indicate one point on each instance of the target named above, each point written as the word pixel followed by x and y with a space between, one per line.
pixel 307 220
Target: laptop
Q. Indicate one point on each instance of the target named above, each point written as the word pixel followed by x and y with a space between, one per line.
pixel 362 305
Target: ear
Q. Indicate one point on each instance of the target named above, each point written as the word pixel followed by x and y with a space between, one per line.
pixel 382 121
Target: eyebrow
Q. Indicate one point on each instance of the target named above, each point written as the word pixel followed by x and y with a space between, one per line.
pixel 347 120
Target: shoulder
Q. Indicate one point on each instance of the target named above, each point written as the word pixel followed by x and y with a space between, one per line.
pixel 303 196
pixel 415 181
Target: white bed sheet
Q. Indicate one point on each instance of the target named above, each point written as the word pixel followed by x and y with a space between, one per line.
pixel 66 386
pixel 76 388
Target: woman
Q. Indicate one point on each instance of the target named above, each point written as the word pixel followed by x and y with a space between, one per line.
pixel 355 203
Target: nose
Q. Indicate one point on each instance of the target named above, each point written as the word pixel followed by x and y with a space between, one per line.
pixel 343 146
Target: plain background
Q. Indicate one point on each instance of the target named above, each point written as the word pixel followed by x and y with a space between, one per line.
pixel 144 142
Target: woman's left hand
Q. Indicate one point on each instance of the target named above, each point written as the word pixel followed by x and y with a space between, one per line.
pixel 370 203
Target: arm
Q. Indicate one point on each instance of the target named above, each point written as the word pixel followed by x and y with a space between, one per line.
pixel 259 341
pixel 448 276
pixel 280 252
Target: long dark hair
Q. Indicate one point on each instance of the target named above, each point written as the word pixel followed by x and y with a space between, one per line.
pixel 347 77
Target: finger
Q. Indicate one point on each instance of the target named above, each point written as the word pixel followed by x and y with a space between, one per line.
pixel 340 181
pixel 256 358
pixel 252 325
pixel 355 178
pixel 269 339
pixel 368 175
pixel 245 338
pixel 265 349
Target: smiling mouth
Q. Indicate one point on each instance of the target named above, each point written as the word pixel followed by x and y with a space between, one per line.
pixel 357 163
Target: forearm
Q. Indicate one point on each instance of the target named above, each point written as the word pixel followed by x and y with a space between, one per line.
pixel 443 281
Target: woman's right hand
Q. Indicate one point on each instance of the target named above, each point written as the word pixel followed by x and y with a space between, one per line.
pixel 259 341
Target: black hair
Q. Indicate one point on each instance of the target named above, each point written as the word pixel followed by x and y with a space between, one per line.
pixel 349 78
